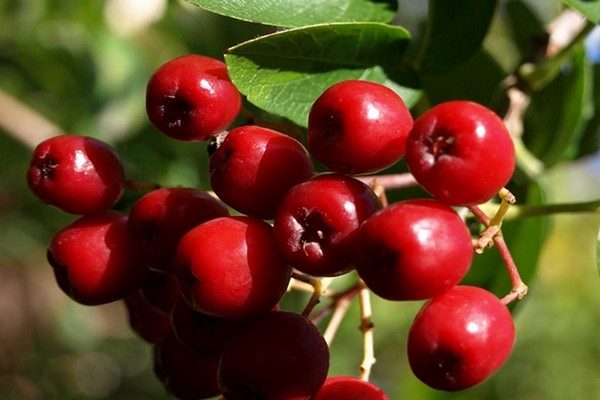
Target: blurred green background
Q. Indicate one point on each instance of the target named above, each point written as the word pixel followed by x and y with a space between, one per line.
pixel 84 65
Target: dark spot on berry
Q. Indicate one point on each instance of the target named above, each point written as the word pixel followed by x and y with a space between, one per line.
pixel 48 167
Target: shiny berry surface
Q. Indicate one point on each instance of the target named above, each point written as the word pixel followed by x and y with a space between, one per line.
pixel 412 250
pixel 349 388
pixel 192 98
pixel 358 127
pixel 460 152
pixel 316 222
pixel 230 267
pixel 78 174
pixel 254 167
pixel 460 338
pixel 161 217
pixel 95 260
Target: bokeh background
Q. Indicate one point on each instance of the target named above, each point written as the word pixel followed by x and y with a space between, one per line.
pixel 83 66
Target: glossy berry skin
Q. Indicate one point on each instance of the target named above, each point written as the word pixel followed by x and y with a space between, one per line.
pixel 95 260
pixel 316 222
pixel 183 373
pixel 358 127
pixel 162 216
pixel 192 98
pixel 460 152
pixel 460 338
pixel 254 167
pixel 78 174
pixel 349 388
pixel 230 267
pixel 413 250
pixel 279 356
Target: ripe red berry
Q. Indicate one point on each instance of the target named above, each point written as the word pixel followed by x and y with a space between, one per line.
pixel 205 334
pixel 78 174
pixel 192 98
pixel 183 373
pixel 349 388
pixel 460 152
pixel 254 167
pixel 278 356
pixel 147 322
pixel 230 267
pixel 460 338
pixel 316 222
pixel 413 250
pixel 95 260
pixel 358 127
pixel 160 290
pixel 161 217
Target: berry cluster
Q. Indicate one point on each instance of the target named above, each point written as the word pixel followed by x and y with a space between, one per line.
pixel 202 274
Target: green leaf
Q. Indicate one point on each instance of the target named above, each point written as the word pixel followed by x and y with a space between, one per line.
pixel 296 13
pixel 557 115
pixel 477 79
pixel 589 8
pixel 455 31
pixel 285 72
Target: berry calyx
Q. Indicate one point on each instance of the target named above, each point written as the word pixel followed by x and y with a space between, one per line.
pixel 317 219
pixel 460 152
pixel 413 250
pixel 358 127
pixel 254 167
pixel 459 338
pixel 78 174
pixel 192 98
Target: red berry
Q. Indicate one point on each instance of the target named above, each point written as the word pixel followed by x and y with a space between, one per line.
pixel 230 267
pixel 192 98
pixel 148 323
pixel 78 174
pixel 460 338
pixel 460 152
pixel 358 127
pixel 161 217
pixel 254 167
pixel 183 373
pixel 160 290
pixel 349 388
pixel 205 334
pixel 316 222
pixel 413 250
pixel 280 355
pixel 95 260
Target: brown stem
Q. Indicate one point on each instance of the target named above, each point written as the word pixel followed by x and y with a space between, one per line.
pixel 390 181
pixel 519 288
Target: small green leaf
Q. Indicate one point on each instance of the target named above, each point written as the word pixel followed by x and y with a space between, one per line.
pixel 455 31
pixel 285 72
pixel 296 13
pixel 589 8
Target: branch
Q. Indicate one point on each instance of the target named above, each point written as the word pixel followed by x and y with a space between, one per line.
pixel 23 123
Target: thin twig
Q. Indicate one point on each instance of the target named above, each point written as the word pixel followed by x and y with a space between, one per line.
pixel 366 327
